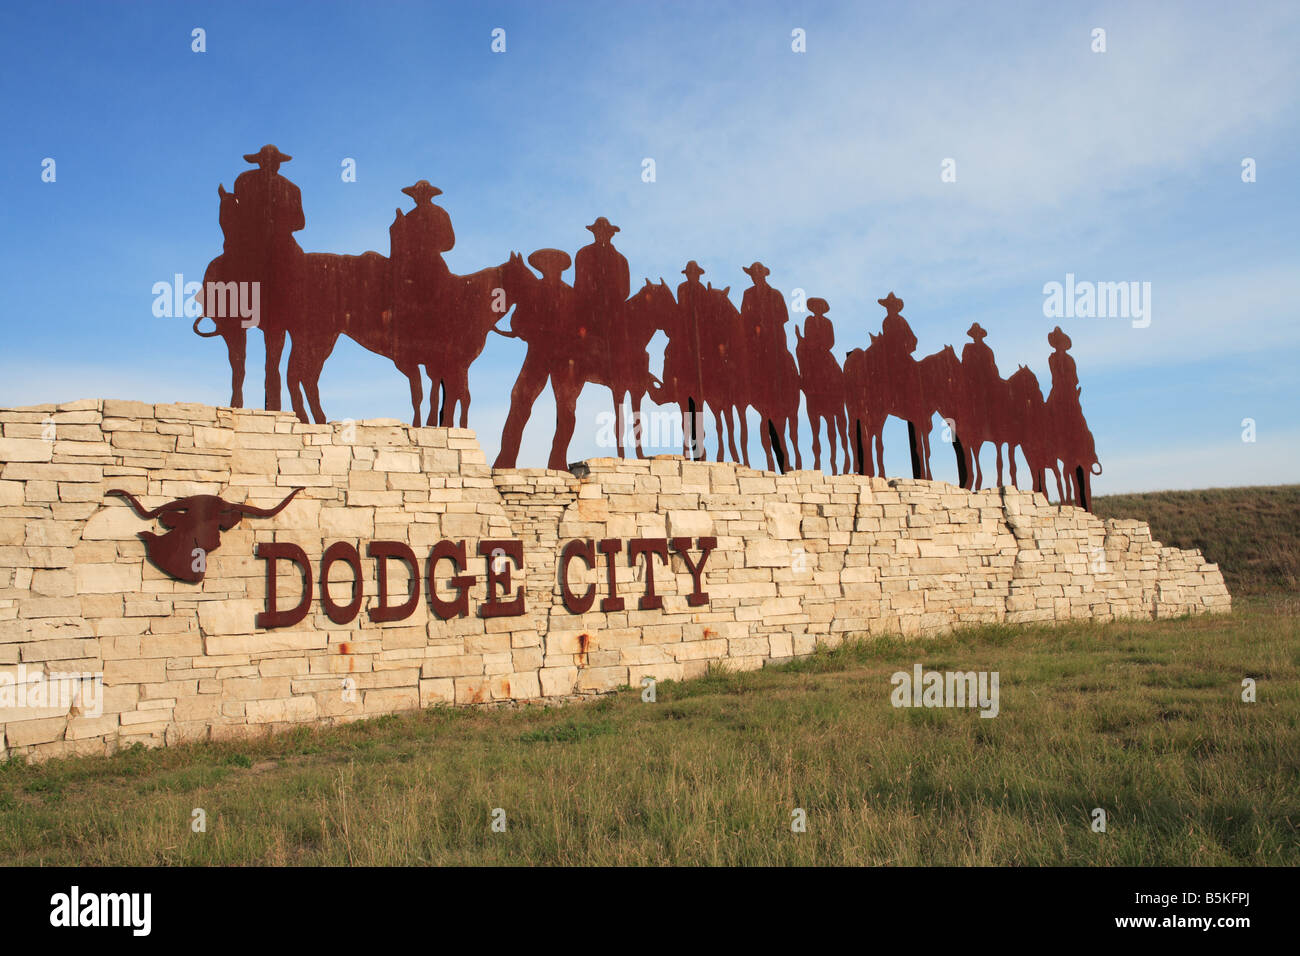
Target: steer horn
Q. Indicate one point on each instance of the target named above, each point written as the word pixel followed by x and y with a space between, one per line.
pixel 139 508
pixel 253 512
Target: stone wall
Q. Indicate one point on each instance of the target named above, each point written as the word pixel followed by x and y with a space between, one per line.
pixel 799 559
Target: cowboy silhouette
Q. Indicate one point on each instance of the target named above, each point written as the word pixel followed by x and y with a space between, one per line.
pixel 420 237
pixel 1065 376
pixel 601 281
pixel 269 209
pixel 977 361
pixel 896 335
pixel 774 379
pixel 683 370
pixel 1064 412
pixel 422 290
pixel 763 309
pixel 818 337
pixel 544 318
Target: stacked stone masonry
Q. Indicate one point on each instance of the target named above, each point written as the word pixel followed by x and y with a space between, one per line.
pixel 801 559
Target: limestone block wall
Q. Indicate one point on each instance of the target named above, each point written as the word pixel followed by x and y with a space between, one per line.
pixel 799 559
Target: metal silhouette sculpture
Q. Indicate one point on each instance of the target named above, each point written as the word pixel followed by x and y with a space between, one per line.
pixel 822 382
pixel 600 338
pixel 410 308
pixel 194 527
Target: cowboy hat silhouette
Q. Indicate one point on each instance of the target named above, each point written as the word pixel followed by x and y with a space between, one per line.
pixel 892 303
pixel 266 155
pixel 422 191
pixel 603 227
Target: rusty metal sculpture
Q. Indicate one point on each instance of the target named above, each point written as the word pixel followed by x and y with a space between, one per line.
pixel 194 527
pixel 410 308
pixel 822 382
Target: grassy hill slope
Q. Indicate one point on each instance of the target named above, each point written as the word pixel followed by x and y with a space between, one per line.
pixel 1253 533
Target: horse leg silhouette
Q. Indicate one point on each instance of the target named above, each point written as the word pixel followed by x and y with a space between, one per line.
pixel 731 416
pixel 765 434
pixel 412 373
pixel 438 412
pixel 918 471
pixel 775 444
pixel 814 419
pixel 688 429
pixel 637 431
pixel 963 473
pixel 310 383
pixel 456 390
pixel 793 420
pixel 717 428
pixel 274 349
pixel 236 337
pixel 744 433
pixel 566 402
pixel 297 372
pixel 618 422
pixel 842 423
pixel 307 357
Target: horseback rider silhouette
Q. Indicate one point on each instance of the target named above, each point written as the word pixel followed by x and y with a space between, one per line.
pixel 267 212
pixel 420 237
pixel 423 293
pixel 601 281
pixel 1064 412
pixel 896 335
pixel 979 367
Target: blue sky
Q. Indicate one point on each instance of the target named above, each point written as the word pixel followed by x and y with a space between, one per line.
pixel 825 165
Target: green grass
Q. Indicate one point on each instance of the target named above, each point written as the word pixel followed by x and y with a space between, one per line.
pixel 1142 719
pixel 1253 533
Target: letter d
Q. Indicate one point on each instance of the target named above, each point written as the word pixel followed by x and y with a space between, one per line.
pixel 272 616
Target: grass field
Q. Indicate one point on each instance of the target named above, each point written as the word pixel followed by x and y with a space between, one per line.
pixel 1144 720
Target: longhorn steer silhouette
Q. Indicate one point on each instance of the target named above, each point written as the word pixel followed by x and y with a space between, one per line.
pixel 193 523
